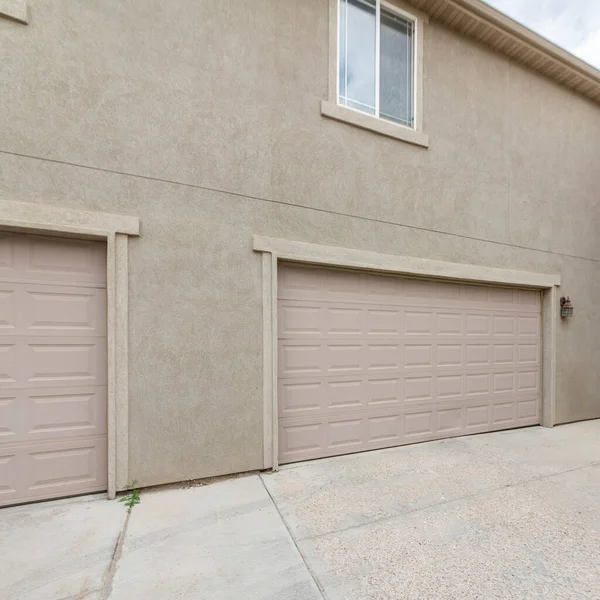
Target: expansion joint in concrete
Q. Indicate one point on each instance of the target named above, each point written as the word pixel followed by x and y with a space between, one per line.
pixel 109 576
pixel 293 539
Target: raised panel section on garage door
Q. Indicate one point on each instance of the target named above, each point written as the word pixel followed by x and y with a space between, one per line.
pixel 369 361
pixel 53 367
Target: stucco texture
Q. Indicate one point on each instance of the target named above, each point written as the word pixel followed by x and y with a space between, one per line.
pixel 204 120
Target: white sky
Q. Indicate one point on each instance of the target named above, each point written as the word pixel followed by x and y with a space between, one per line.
pixel 572 24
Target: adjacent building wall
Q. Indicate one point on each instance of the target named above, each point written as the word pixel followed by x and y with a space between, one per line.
pixel 202 118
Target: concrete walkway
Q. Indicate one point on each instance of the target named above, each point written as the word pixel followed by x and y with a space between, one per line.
pixel 506 515
pixel 58 550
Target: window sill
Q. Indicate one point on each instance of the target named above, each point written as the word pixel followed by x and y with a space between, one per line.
pixel 353 117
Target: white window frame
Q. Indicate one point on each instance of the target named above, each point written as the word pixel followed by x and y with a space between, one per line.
pixel 333 109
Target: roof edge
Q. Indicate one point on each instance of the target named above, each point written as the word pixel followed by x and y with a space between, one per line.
pixel 478 20
pixel 497 18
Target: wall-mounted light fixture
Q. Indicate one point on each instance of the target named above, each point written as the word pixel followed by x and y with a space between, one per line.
pixel 566 308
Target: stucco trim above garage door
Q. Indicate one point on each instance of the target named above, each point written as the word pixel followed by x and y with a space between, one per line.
pixel 274 250
pixel 114 229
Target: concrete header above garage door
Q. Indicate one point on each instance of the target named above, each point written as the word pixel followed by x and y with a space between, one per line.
pixel 374 261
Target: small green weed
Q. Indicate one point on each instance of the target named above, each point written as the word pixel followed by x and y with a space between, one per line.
pixel 132 498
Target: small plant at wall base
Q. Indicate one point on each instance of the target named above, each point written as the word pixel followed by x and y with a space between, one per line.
pixel 132 498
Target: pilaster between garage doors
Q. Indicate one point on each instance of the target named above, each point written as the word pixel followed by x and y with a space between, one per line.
pixel 114 230
pixel 274 250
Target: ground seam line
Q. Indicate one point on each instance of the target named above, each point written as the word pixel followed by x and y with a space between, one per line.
pixel 109 577
pixel 445 502
pixel 304 560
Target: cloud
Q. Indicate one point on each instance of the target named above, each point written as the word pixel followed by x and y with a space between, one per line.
pixel 572 24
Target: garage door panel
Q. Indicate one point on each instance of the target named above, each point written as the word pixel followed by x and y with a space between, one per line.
pixel 9 249
pixel 450 323
pixel 449 355
pixel 418 322
pixel 10 470
pixel 418 356
pixel 8 309
pixel 478 354
pixel 528 353
pixel 504 412
pixel 503 383
pixel 345 433
pixel 299 440
pixel 383 356
pixel 34 309
pixel 47 471
pixel 527 409
pixel 61 260
pixel 381 361
pixel 384 321
pixel 62 310
pixel 47 414
pixel 529 326
pixel 382 288
pixel 477 384
pixel 66 465
pixel 10 416
pixel 475 295
pixel 398 292
pixel 478 324
pixel 9 364
pixel 300 358
pixel 341 288
pixel 64 413
pixel 528 381
pixel 528 300
pixel 384 429
pixel 65 361
pixel 450 420
pixel 323 321
pixel 419 388
pixel 319 284
pixel 504 354
pixel 504 325
pixel 343 395
pixel 301 283
pixel 338 357
pixel 344 321
pixel 418 424
pixel 298 397
pixel 300 319
pixel 450 386
pixel 330 392
pixel 51 260
pixel 305 439
pixel 344 357
pixel 53 367
pixel 478 416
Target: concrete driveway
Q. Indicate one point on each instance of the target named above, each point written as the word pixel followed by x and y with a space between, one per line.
pixel 506 515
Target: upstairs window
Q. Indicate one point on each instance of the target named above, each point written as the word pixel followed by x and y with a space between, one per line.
pixel 376 60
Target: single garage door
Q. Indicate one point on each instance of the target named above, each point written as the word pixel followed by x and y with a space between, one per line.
pixel 370 361
pixel 53 388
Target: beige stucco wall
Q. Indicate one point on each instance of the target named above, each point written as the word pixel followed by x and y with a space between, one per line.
pixel 203 119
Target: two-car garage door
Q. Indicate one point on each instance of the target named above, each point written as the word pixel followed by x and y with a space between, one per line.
pixel 53 387
pixel 370 361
